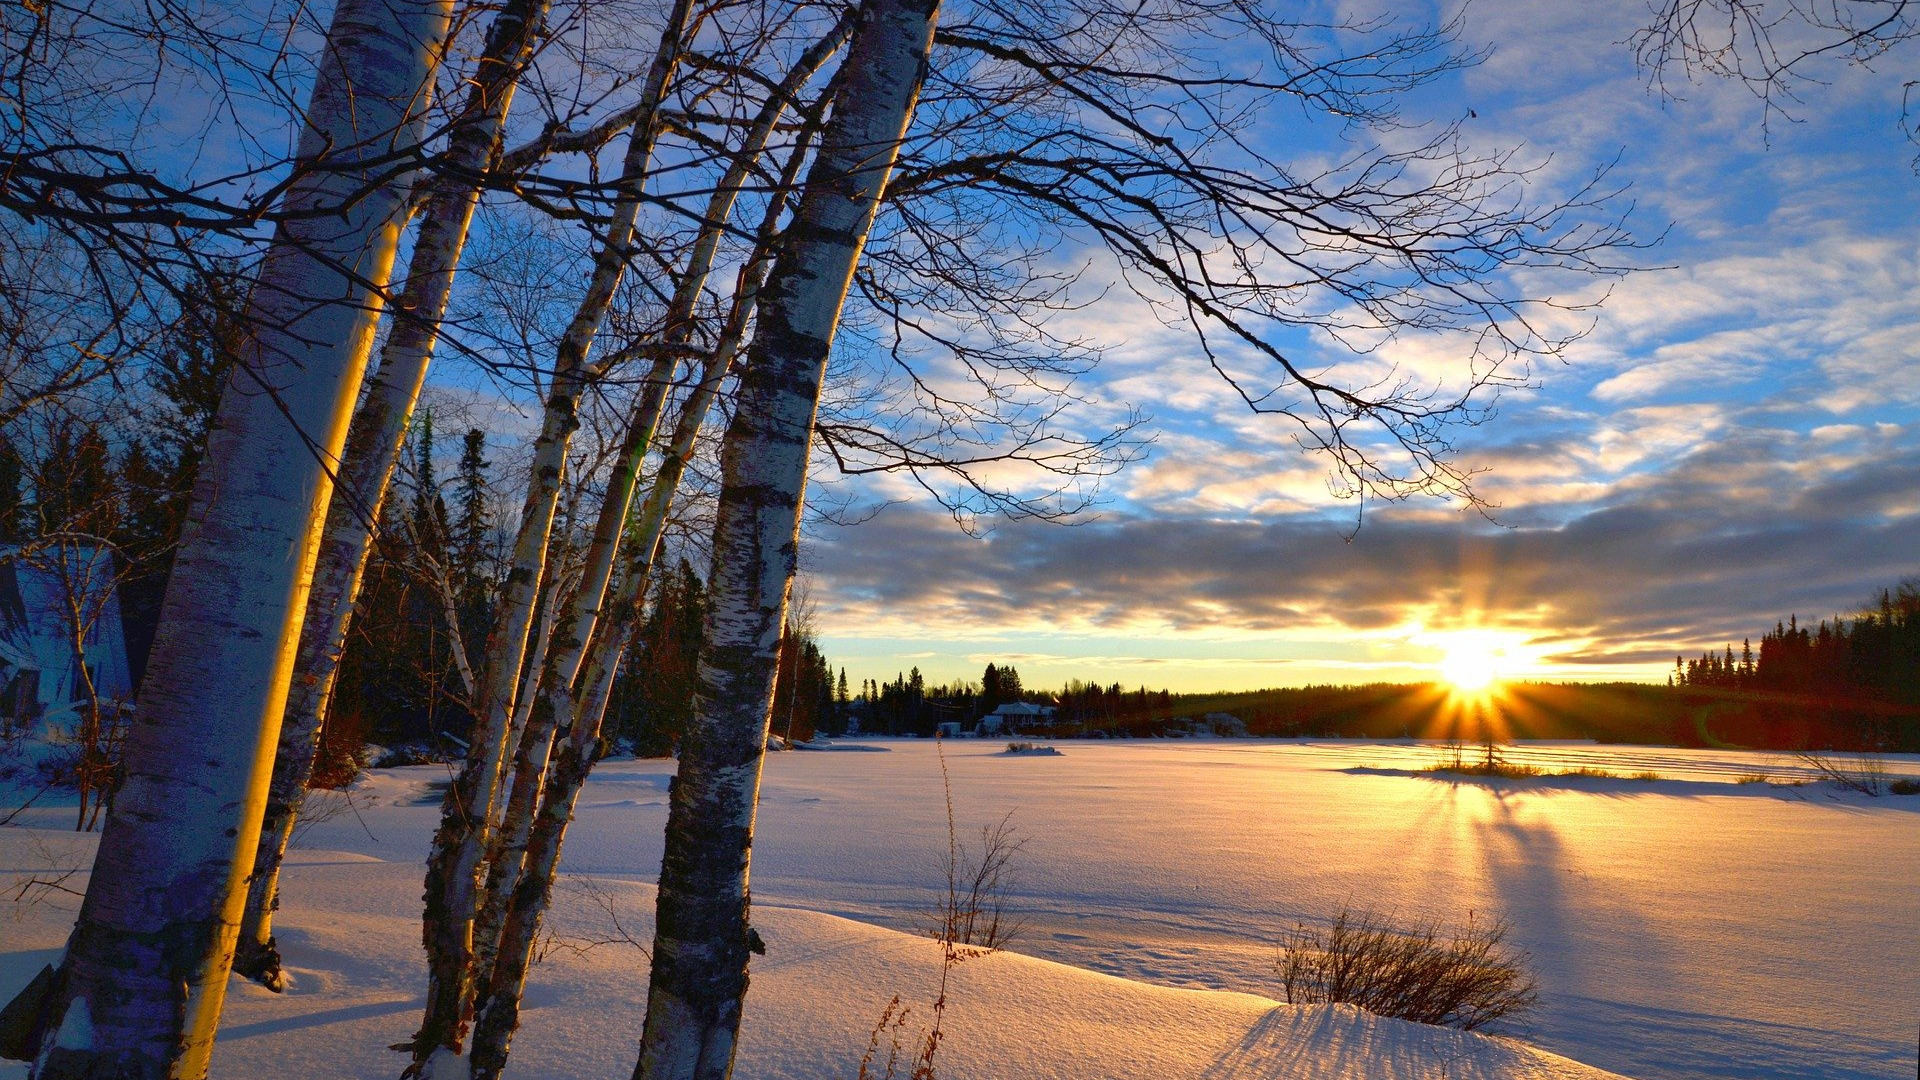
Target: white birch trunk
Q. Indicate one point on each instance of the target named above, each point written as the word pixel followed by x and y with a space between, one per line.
pixel 582 701
pixel 517 901
pixel 560 662
pixel 453 869
pixel 702 938
pixel 506 858
pixel 553 586
pixel 145 974
pixel 374 443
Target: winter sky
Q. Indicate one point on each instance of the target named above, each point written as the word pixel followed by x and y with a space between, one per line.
pixel 1737 438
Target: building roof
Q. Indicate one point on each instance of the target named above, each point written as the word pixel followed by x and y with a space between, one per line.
pixel 37 587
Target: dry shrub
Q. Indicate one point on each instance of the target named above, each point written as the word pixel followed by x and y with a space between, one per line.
pixel 1465 978
pixel 337 763
pixel 1864 773
pixel 969 921
pixel 889 1029
pixel 1499 770
pixel 972 916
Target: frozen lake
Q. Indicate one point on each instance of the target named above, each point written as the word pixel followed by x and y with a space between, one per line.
pixel 1690 927
pixel 1687 927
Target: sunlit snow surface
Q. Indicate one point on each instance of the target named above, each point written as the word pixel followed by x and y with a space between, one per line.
pixel 1685 927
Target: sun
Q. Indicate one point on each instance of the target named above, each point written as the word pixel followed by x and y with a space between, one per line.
pixel 1474 662
pixel 1470 667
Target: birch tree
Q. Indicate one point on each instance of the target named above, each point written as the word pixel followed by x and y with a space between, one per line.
pixel 374 442
pixel 577 691
pixel 140 989
pixel 702 938
pixel 554 685
pixel 453 870
pixel 582 701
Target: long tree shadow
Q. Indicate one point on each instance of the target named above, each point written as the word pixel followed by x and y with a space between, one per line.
pixel 1651 1043
pixel 1643 993
pixel 1529 870
pixel 1340 1042
pixel 1817 793
pixel 1576 951
pixel 322 1018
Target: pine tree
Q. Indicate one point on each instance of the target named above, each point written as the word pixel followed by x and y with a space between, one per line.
pixel 990 696
pixel 187 371
pixel 73 483
pixel 475 518
pixel 190 369
pixel 472 570
pixel 652 700
pixel 429 512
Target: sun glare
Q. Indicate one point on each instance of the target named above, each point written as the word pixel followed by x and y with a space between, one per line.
pixel 1470 668
pixel 1473 662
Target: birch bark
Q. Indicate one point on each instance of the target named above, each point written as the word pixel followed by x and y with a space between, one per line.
pixel 560 662
pixel 556 687
pixel 145 974
pixel 453 869
pixel 583 700
pixel 702 939
pixel 374 442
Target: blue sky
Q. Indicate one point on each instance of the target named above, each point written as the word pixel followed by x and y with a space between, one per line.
pixel 1737 438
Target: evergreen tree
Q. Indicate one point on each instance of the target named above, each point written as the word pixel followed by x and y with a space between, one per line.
pixel 475 517
pixel 188 371
pixel 473 571
pixel 653 698
pixel 429 511
pixel 73 484
pixel 990 696
pixel 1832 683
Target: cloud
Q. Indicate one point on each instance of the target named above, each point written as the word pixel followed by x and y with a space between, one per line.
pixel 1673 563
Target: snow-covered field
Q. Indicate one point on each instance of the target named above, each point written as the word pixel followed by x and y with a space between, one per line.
pixel 1686 927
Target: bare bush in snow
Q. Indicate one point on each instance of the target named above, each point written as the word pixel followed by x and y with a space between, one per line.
pixel 1465 978
pixel 1864 773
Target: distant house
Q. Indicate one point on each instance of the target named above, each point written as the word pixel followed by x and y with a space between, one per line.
pixel 1013 716
pixel 44 593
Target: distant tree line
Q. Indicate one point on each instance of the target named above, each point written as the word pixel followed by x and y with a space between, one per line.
pixel 1115 710
pixel 1847 682
pixel 1875 655
pixel 908 705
